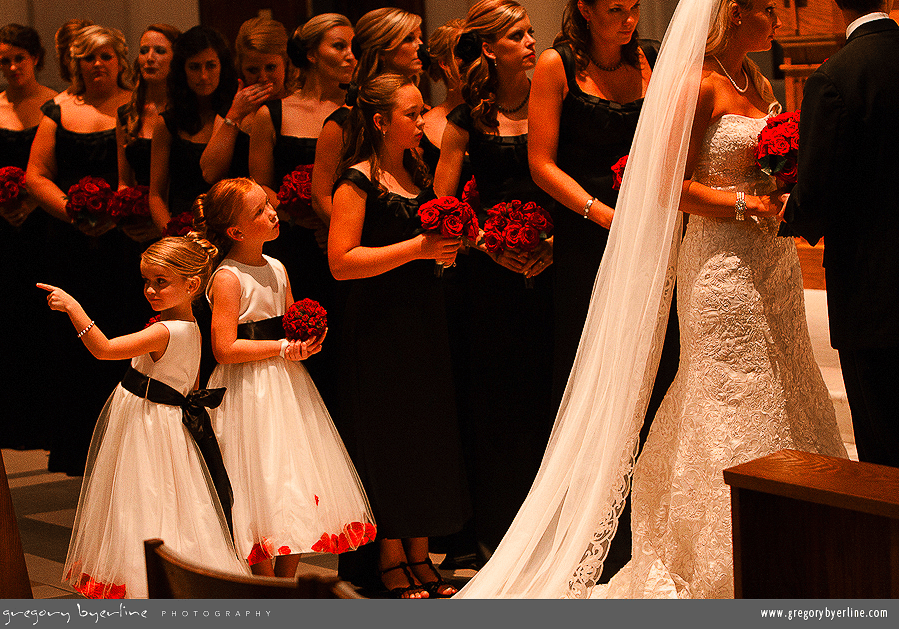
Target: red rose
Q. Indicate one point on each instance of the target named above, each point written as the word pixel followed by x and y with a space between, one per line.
pixel 304 319
pixel 538 221
pixel 528 238
pixel 511 236
pixel 90 188
pixel 789 173
pixel 516 216
pixel 430 217
pixel 493 242
pixel 618 170
pixel 470 194
pixel 452 226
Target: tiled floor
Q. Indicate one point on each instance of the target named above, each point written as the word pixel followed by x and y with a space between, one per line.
pixel 45 502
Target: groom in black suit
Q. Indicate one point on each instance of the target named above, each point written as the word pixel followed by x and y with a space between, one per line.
pixel 847 191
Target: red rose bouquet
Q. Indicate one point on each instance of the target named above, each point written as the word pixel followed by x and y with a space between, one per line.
pixel 618 170
pixel 777 145
pixel 130 205
pixel 88 201
pixel 180 224
pixel 304 319
pixel 12 186
pixel 295 195
pixel 516 226
pixel 449 217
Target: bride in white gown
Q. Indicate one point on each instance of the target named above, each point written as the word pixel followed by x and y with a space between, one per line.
pixel 747 384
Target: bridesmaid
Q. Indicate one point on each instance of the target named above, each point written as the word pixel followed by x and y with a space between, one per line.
pixel 202 83
pixel 283 138
pixel 22 233
pixel 136 119
pixel 385 40
pixel 395 351
pixel 587 95
pixel 264 72
pixel 443 69
pixel 76 138
pixel 62 40
pixel 510 333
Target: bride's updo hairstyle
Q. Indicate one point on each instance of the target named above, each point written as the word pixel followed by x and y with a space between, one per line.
pixel 377 32
pixel 720 32
pixel 576 33
pixel 486 21
pixel 306 39
pixel 217 210
pixel 377 96
pixel 188 256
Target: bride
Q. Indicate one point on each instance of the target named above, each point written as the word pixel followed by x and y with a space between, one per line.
pixel 747 384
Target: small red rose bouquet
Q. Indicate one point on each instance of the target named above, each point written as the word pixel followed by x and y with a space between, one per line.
pixel 130 206
pixel 88 201
pixel 618 170
pixel 449 217
pixel 180 224
pixel 12 186
pixel 295 194
pixel 777 146
pixel 516 226
pixel 304 319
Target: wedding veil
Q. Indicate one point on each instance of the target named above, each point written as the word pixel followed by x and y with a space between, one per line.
pixel 560 536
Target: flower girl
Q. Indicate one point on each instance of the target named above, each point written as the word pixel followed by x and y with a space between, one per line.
pixel 295 488
pixel 145 475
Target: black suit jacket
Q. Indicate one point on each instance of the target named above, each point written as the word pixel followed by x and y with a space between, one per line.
pixel 847 186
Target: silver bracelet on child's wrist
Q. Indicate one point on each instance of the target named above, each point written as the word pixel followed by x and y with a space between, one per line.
pixel 85 331
pixel 740 207
pixel 587 207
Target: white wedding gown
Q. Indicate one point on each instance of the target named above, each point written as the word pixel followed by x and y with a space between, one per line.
pixel 747 385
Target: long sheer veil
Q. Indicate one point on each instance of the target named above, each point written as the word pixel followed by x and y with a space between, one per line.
pixel 560 536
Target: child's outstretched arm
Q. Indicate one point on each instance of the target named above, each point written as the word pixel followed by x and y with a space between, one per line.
pixel 151 339
pixel 225 290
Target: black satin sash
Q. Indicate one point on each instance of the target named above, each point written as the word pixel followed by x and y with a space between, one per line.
pixel 196 419
pixel 271 329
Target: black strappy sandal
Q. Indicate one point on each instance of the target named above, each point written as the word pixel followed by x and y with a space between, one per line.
pixel 400 591
pixel 434 587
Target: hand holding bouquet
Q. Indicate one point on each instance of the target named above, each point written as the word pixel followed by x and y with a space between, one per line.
pixel 777 146
pixel 449 217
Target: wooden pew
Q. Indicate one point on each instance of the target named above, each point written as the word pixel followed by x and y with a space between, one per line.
pixel 812 526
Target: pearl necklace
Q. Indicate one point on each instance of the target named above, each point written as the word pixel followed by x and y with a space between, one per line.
pixel 732 80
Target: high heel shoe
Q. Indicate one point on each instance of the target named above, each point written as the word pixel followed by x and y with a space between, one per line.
pixel 402 592
pixel 434 587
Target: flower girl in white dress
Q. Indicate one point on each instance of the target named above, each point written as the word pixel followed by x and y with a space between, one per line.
pixel 145 476
pixel 295 488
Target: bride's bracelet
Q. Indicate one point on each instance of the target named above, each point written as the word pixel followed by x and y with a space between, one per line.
pixel 740 207
pixel 587 207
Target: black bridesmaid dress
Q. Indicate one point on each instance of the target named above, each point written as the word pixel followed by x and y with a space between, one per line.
pixel 594 133
pixel 507 416
pixel 137 152
pixel 102 273
pixel 396 385
pixel 306 263
pixel 23 264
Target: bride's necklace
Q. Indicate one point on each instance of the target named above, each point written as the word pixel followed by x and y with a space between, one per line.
pixel 607 68
pixel 513 110
pixel 732 80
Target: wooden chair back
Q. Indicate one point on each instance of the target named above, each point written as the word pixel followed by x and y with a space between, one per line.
pixel 171 576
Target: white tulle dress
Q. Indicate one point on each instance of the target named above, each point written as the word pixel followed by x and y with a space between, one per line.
pixel 295 488
pixel 144 479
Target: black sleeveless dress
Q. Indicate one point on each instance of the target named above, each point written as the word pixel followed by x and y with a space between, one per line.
pixel 396 385
pixel 186 181
pixel 23 264
pixel 103 274
pixel 507 418
pixel 304 260
pixel 137 152
pixel 594 134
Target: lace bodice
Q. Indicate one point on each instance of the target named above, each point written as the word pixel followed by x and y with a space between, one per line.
pixel 727 161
